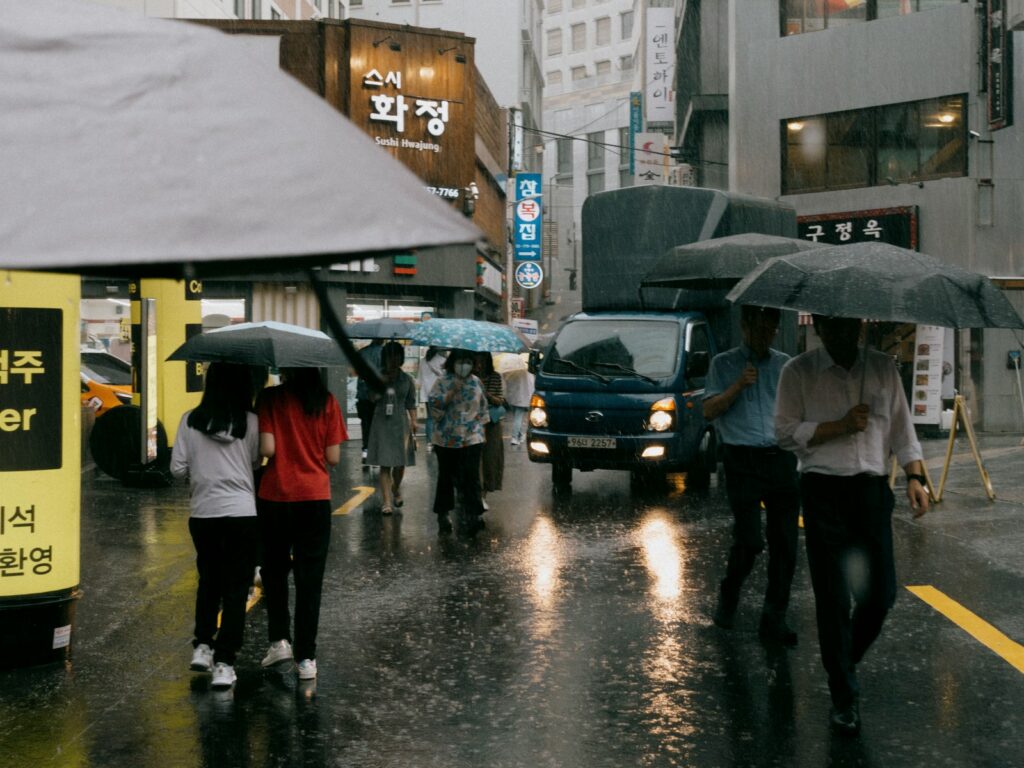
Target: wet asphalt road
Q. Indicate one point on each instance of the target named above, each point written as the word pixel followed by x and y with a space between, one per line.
pixel 572 632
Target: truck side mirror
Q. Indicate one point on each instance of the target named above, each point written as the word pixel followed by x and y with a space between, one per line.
pixel 534 362
pixel 697 364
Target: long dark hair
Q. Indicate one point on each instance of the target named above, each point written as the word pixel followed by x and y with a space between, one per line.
pixel 307 384
pixel 227 401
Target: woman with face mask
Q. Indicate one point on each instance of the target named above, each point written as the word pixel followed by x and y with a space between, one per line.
pixel 459 409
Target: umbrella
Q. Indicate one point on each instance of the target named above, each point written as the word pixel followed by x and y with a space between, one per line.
pixel 878 281
pixel 474 335
pixel 381 328
pixel 150 147
pixel 721 262
pixel 271 344
pixel 509 362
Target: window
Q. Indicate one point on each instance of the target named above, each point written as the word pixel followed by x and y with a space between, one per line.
pixel 603 67
pixel 579 36
pixel 275 15
pixel 579 73
pixel 603 31
pixel 651 347
pixel 399 2
pixel 894 144
pixel 579 3
pixel 800 16
pixel 554 77
pixel 257 11
pixel 554 6
pixel 625 62
pixel 554 42
pixel 625 177
pixel 239 9
pixel 564 151
pixel 625 25
pixel 355 3
pixel 595 162
pixel 698 354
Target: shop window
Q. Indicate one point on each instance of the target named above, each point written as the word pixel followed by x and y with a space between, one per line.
pixel 799 16
pixel 893 144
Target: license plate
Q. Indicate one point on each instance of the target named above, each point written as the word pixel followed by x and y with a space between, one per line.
pixel 591 442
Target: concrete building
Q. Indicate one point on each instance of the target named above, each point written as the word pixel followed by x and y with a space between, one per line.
pixel 589 70
pixel 270 10
pixel 896 113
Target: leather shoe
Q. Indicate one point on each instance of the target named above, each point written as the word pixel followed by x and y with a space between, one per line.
pixel 776 630
pixel 845 720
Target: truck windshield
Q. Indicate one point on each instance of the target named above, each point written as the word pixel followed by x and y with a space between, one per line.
pixel 641 348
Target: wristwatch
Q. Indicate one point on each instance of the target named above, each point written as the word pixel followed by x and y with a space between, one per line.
pixel 920 478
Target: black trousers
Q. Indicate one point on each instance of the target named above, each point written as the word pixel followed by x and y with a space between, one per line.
pixel 848 528
pixel 225 558
pixel 752 476
pixel 296 537
pixel 458 467
pixel 364 410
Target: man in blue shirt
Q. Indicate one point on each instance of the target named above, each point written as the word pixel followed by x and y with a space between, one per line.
pixel 740 399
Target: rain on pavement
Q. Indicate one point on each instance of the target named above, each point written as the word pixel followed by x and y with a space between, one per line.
pixel 574 631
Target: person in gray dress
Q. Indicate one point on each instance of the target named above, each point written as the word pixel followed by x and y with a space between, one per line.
pixel 393 430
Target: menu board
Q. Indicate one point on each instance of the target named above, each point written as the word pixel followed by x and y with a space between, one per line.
pixel 926 382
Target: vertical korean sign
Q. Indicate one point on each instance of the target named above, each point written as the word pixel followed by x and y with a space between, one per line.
pixel 40 463
pixel 527 223
pixel 636 125
pixel 998 52
pixel 660 64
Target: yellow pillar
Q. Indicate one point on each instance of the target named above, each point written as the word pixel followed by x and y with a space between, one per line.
pixel 40 465
pixel 178 316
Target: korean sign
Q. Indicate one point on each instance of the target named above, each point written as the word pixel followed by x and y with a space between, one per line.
pixel 636 125
pixel 40 451
pixel 896 226
pixel 660 65
pixel 651 158
pixel 526 220
pixel 998 65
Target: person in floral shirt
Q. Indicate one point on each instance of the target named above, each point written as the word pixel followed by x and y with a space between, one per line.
pixel 459 408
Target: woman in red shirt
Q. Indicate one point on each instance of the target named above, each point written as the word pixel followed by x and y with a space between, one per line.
pixel 301 432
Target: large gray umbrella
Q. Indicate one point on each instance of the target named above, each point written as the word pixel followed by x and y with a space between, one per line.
pixel 720 262
pixel 144 146
pixel 269 343
pixel 878 281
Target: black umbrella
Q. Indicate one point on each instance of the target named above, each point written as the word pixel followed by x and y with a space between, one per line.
pixel 721 262
pixel 271 344
pixel 381 328
pixel 878 281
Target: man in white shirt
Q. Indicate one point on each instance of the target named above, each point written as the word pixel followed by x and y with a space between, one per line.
pixel 843 424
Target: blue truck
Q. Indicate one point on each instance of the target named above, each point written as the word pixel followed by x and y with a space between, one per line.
pixel 620 385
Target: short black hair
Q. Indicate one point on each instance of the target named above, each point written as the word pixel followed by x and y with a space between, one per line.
pixel 749 311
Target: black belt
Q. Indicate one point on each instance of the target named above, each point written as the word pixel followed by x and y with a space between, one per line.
pixel 755 450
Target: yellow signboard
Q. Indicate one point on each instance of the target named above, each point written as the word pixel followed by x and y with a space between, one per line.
pixel 40 438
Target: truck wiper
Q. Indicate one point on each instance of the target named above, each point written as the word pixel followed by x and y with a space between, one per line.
pixel 630 371
pixel 581 369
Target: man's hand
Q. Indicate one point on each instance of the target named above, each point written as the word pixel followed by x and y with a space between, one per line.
pixel 856 419
pixel 918 496
pixel 748 378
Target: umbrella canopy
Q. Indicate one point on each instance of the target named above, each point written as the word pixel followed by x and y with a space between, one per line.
pixel 878 281
pixel 381 328
pixel 509 362
pixel 474 335
pixel 150 147
pixel 720 262
pixel 271 344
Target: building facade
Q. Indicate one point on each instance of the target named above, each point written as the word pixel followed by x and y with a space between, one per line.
pixel 590 54
pixel 894 108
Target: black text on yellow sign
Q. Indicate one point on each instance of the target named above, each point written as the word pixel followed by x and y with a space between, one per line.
pixel 31 408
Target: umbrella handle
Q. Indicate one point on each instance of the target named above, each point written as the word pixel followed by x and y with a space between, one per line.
pixel 366 371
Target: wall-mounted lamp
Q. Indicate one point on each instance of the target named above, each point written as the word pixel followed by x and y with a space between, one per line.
pixel 394 45
pixel 443 51
pixel 470 195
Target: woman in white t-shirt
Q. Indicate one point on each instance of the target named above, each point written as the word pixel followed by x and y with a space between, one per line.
pixel 431 368
pixel 217 448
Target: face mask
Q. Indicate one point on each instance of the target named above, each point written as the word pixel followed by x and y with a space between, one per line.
pixel 462 370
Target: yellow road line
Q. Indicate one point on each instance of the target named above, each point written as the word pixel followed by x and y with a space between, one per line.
pixel 976 627
pixel 257 593
pixel 364 492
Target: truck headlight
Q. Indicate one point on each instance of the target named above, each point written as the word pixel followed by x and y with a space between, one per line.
pixel 662 415
pixel 538 416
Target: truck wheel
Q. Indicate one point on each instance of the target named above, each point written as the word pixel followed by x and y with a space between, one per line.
pixel 561 476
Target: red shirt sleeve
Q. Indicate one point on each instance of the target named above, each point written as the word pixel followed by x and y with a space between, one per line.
pixel 336 432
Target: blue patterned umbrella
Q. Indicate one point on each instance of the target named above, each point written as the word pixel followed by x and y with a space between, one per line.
pixel 474 335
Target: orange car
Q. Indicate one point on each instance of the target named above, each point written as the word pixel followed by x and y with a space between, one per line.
pixel 106 381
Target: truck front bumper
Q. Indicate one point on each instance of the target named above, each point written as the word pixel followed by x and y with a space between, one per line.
pixel 662 450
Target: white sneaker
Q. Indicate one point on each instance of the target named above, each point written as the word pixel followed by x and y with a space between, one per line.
pixel 202 658
pixel 514 441
pixel 257 578
pixel 307 669
pixel 485 505
pixel 223 675
pixel 279 651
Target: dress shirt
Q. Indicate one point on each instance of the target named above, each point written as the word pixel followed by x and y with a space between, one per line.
pixel 813 389
pixel 749 420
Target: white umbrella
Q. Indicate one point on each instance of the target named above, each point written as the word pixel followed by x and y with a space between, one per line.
pixel 145 146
